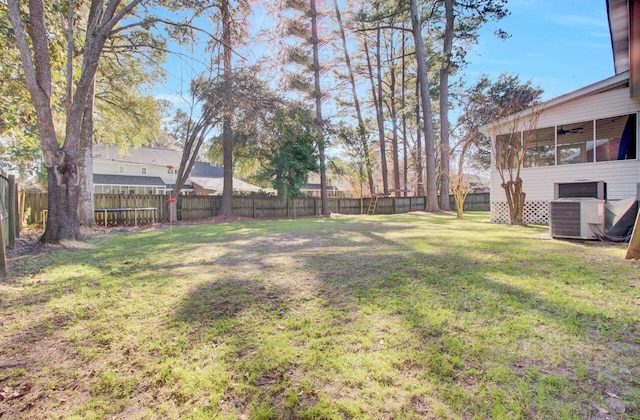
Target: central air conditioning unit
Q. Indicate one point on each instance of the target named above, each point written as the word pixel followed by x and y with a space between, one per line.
pixel 576 218
pixel 580 189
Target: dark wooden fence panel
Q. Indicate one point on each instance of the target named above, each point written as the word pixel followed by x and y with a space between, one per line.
pixel 34 204
pixel 201 207
pixel 197 207
pixel 474 202
pixel 306 207
pixel 352 206
pixel 5 207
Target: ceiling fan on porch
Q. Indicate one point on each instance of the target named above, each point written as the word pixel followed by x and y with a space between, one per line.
pixel 561 131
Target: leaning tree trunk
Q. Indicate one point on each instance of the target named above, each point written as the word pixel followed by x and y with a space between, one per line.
pixel 379 120
pixel 431 201
pixel 361 128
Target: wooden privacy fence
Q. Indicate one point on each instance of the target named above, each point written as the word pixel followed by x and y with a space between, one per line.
pixel 194 207
pixel 8 217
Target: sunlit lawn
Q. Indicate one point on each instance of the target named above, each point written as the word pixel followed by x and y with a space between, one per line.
pixel 406 316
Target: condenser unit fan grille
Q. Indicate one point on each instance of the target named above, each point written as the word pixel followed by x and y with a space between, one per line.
pixel 565 219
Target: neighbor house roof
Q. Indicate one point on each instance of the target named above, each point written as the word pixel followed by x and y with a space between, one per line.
pixel 216 184
pixel 334 183
pixel 206 170
pixel 142 155
pixel 128 180
pixel 153 156
pixel 316 187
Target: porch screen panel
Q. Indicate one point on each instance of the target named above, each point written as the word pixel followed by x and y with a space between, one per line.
pixel 540 145
pixel 575 143
pixel 616 138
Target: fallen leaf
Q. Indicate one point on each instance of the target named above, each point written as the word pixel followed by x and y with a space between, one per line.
pixel 612 395
pixel 600 409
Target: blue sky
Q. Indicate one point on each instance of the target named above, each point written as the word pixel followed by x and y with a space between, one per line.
pixel 559 45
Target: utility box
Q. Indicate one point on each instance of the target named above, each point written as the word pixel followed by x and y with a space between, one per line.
pixel 577 218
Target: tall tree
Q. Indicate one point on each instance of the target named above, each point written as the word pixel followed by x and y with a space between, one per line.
pixel 289 159
pixel 375 93
pixel 62 161
pixel 226 207
pixel 431 200
pixel 315 42
pixel 462 21
pixel 362 133
pixel 444 106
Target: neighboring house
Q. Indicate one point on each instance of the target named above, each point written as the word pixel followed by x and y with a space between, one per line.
pixel 337 187
pixel 590 134
pixel 154 171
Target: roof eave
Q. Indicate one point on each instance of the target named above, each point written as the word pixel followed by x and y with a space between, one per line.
pixel 593 89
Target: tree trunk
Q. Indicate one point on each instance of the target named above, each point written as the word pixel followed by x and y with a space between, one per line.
pixel 431 202
pixel 394 127
pixel 62 163
pixel 226 207
pixel 379 120
pixel 86 204
pixel 319 121
pixel 419 167
pixel 63 195
pixel 404 120
pixel 380 116
pixel 444 106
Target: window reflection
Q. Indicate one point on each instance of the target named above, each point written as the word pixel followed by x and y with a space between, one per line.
pixel 540 148
pixel 616 138
pixel 575 143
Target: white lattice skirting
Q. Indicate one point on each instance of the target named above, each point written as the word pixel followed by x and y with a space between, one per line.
pixel 535 212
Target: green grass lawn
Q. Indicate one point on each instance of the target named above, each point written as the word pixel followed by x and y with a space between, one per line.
pixel 405 316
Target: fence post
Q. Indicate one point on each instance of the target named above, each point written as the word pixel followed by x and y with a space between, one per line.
pixel 13 210
pixel 3 255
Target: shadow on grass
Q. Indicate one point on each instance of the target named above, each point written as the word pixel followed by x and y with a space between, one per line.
pixel 440 288
pixel 355 265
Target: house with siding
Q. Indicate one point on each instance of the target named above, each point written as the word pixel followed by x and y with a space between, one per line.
pixel 149 170
pixel 590 134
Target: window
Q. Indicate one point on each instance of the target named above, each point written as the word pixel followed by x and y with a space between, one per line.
pixel 143 170
pixel 575 143
pixel 540 148
pixel 121 169
pixel 616 138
